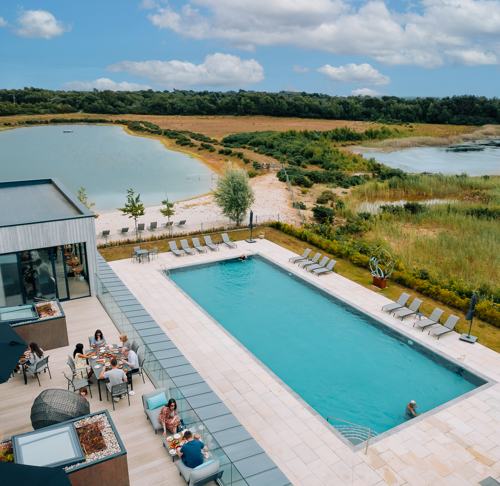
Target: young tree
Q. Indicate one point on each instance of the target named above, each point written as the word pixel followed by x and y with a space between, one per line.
pixel 85 200
pixel 234 194
pixel 168 209
pixel 133 207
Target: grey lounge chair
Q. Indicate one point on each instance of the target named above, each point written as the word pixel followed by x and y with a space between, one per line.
pixel 432 319
pixel 167 225
pixel 153 226
pixel 227 241
pixel 208 242
pixel 319 265
pixel 185 247
pixel 327 269
pixel 300 258
pixel 197 246
pixel 181 223
pixel 174 249
pixel 123 231
pixel 200 477
pixel 104 233
pixel 140 227
pixel 152 415
pixel 411 311
pixel 310 262
pixel 447 327
pixel 401 302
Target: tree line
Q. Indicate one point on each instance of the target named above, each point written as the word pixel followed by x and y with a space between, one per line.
pixel 456 110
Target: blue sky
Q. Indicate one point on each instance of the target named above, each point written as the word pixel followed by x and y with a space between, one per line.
pixel 430 48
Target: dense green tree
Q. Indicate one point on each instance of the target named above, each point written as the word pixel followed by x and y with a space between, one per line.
pixel 133 207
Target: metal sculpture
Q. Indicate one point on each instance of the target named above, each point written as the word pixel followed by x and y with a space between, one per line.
pixel 381 263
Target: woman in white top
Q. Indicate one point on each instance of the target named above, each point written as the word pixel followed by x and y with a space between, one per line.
pixel 35 356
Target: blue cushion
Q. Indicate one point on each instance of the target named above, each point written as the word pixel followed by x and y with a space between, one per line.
pixel 157 401
pixel 205 464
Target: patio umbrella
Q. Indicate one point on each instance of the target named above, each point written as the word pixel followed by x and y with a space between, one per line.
pixel 12 473
pixel 250 240
pixel 469 317
pixel 12 347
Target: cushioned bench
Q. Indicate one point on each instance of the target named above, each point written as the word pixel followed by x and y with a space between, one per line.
pixel 152 415
pixel 202 475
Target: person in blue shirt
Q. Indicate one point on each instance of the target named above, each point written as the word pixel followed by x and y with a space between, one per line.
pixel 98 339
pixel 190 452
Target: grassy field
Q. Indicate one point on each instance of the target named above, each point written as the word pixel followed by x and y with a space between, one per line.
pixel 488 335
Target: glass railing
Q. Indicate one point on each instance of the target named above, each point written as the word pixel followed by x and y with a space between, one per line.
pixel 160 379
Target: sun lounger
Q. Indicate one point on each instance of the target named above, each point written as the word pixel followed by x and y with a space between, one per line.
pixel 310 262
pixel 431 320
pixel 185 247
pixel 208 242
pixel 227 241
pixel 304 256
pixel 174 249
pixel 447 327
pixel 153 226
pixel 104 233
pixel 181 223
pixel 401 302
pixel 123 231
pixel 167 225
pixel 327 269
pixel 319 265
pixel 197 246
pixel 411 311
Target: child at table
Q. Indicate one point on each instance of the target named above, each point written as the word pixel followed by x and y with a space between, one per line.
pixel 83 393
pixel 206 455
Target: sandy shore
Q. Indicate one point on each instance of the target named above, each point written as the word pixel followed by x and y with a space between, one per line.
pixel 271 198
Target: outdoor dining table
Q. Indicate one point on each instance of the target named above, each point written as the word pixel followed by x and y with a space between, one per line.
pixel 142 253
pixel 97 367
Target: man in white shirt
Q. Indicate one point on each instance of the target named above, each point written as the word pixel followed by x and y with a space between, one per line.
pixel 130 358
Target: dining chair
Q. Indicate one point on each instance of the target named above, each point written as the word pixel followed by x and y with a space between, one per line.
pixel 118 391
pixel 78 384
pixel 42 365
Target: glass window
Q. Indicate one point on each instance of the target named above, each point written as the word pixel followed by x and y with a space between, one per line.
pixel 10 281
pixel 18 313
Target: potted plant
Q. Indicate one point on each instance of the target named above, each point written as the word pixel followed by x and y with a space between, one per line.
pixel 261 235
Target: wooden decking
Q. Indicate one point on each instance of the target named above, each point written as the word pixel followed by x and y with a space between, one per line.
pixel 148 461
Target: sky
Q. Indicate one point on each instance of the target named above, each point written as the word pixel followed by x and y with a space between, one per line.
pixel 338 47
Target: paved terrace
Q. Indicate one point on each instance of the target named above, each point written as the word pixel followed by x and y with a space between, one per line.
pixel 457 445
pixel 148 461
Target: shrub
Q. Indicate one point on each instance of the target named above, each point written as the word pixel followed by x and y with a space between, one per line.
pixel 326 196
pixel 252 173
pixel 323 214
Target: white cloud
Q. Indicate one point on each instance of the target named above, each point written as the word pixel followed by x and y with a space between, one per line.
pixel 300 69
pixel 148 4
pixel 217 70
pixel 40 24
pixel 354 73
pixel 103 84
pixel 366 92
pixel 3 22
pixel 468 29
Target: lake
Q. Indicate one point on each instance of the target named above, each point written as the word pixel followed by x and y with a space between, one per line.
pixel 481 160
pixel 106 161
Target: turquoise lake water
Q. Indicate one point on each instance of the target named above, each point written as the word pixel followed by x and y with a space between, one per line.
pixel 105 160
pixel 331 356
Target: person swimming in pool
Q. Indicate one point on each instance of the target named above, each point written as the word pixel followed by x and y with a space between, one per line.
pixel 242 258
pixel 410 410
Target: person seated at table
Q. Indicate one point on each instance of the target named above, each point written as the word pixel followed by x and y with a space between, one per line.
pixel 130 359
pixel 81 362
pixel 35 355
pixel 168 417
pixel 190 452
pixel 83 393
pixel 125 342
pixel 98 339
pixel 115 376
pixel 206 455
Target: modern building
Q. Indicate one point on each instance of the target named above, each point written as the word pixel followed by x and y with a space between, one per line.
pixel 47 243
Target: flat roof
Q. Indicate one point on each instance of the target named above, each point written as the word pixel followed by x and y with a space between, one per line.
pixel 38 201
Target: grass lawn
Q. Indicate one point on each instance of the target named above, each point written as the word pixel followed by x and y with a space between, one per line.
pixel 487 334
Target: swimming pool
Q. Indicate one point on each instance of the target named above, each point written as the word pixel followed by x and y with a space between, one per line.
pixel 342 362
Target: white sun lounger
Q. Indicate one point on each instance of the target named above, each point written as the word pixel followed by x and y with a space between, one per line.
pixel 447 327
pixel 431 320
pixel 411 311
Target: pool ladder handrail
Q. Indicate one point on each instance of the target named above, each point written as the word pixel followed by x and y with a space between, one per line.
pixel 165 271
pixel 350 423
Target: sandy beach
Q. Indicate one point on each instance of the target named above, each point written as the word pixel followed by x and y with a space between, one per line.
pixel 271 198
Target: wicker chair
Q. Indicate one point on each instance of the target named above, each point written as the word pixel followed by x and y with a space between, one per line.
pixel 54 406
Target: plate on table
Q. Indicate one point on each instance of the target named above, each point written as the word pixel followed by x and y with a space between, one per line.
pixel 170 439
pixel 97 367
pixel 177 436
pixel 172 452
pixel 120 367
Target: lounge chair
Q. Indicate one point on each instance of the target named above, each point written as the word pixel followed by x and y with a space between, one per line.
pixel 319 265
pixel 411 311
pixel 153 226
pixel 431 320
pixel 208 242
pixel 227 241
pixel 123 231
pixel 181 223
pixel 197 246
pixel 174 249
pixel 304 256
pixel 327 269
pixel 448 326
pixel 310 262
pixel 401 302
pixel 185 247
pixel 104 233
pixel 140 227
pixel 167 225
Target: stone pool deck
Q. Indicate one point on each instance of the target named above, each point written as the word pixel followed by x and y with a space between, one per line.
pixel 456 445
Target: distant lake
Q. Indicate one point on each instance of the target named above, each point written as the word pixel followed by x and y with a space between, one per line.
pixel 106 161
pixel 484 161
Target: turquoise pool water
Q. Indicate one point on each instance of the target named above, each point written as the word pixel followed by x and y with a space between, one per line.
pixel 334 357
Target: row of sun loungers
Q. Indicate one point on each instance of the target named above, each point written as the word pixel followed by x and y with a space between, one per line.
pixel 399 309
pixel 312 264
pixel 187 250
